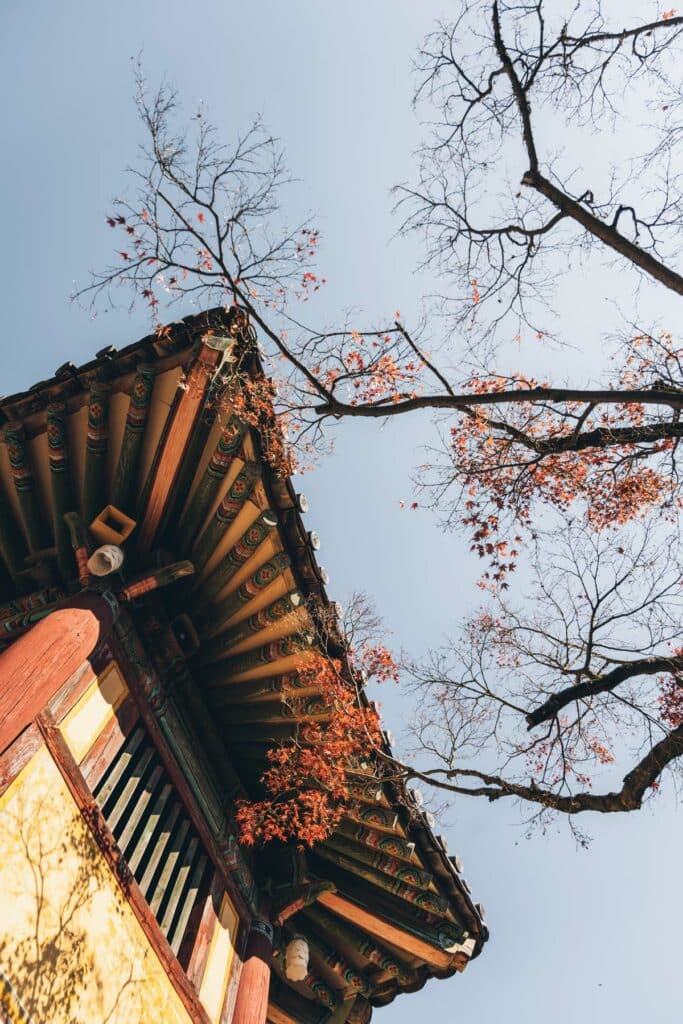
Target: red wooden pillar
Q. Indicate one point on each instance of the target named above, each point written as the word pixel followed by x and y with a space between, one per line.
pixel 251 1005
pixel 40 661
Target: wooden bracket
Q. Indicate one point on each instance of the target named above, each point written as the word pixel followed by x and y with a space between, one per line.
pixel 299 897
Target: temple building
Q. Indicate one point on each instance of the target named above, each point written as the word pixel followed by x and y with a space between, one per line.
pixel 157 583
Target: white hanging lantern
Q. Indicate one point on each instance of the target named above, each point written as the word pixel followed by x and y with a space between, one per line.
pixel 296 959
pixel 105 560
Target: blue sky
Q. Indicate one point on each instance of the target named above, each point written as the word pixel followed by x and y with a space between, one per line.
pixel 574 934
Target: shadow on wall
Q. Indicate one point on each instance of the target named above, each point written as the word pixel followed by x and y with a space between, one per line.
pixel 70 950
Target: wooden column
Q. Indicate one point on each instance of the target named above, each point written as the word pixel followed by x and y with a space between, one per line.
pixel 251 1004
pixel 40 661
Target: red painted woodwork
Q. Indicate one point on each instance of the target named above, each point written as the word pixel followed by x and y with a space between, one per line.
pixel 41 661
pixel 251 1004
pixel 177 433
pixel 18 754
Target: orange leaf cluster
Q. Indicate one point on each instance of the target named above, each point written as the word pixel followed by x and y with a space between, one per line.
pixel 253 403
pixel 507 466
pixel 670 699
pixel 307 783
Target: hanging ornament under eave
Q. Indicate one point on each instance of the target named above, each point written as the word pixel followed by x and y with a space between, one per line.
pixel 296 959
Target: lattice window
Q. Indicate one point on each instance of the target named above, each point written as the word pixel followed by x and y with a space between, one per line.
pixel 156 836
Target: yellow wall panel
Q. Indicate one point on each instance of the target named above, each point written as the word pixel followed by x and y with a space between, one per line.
pixel 217 972
pixel 88 717
pixel 71 948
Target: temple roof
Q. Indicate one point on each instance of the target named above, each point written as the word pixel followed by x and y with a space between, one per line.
pixel 136 440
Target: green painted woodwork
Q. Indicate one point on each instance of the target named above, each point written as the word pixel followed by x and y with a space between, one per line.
pixel 392 845
pixel 429 902
pixel 336 930
pixel 230 605
pixel 25 486
pixel 60 482
pixel 95 477
pixel 237 556
pixel 312 983
pixel 220 646
pixel 256 690
pixel 438 931
pixel 352 979
pixel 386 863
pixel 168 527
pixel 267 653
pixel 377 816
pixel 205 493
pixel 226 513
pixel 124 492
pixel 342 1011
pixel 12 543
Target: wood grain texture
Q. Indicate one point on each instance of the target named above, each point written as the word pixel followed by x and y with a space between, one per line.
pixel 388 932
pixel 251 1004
pixel 18 754
pixel 176 437
pixel 41 661
pixel 204 934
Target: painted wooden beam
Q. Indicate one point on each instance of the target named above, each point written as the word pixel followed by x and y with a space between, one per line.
pixel 261 578
pixel 97 441
pixel 81 544
pixel 342 1011
pixel 381 861
pixel 276 1014
pixel 376 926
pixel 125 489
pixel 269 653
pixel 245 547
pixel 278 609
pixel 298 709
pixel 12 544
pixel 376 816
pixel 429 902
pixel 196 445
pixel 226 513
pixel 353 980
pixel 339 930
pixel 393 845
pixel 178 428
pixel 15 624
pixel 154 579
pixel 25 486
pixel 315 985
pixel 226 450
pixel 368 791
pixel 286 686
pixel 296 898
pixel 60 482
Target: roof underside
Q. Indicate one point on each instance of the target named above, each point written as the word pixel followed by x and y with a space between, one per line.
pixel 142 430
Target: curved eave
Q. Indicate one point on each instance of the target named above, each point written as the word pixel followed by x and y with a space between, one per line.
pixel 141 427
